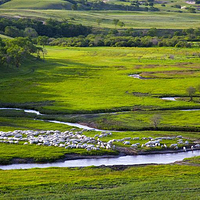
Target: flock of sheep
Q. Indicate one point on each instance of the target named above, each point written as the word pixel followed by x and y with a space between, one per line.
pixel 67 139
pixel 76 139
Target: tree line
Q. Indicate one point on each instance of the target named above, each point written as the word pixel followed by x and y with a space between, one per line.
pixel 32 28
pixel 117 41
pixel 54 29
pixel 100 5
pixel 131 38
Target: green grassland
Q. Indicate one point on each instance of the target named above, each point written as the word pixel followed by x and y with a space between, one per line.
pixel 41 154
pixel 142 120
pixel 136 20
pixel 78 80
pixel 144 182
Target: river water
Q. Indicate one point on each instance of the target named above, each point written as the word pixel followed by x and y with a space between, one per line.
pixel 123 160
pixel 169 98
pixel 80 125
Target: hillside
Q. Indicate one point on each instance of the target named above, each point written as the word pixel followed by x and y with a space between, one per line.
pixel 35 4
pixel 128 5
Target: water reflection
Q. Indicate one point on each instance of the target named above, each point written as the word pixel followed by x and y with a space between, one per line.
pixel 123 160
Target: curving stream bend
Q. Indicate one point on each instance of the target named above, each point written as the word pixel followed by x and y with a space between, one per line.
pixel 122 160
pixel 79 125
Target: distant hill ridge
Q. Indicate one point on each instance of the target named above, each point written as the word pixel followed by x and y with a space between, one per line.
pixel 72 5
pixel 35 4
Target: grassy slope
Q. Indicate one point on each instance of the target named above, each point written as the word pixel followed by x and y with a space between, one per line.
pixel 35 4
pixel 89 79
pixel 148 182
pixel 59 4
pixel 137 20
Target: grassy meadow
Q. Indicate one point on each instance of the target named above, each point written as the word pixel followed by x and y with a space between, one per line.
pixel 141 182
pixel 86 80
pixel 141 120
pixel 136 20
pixel 78 80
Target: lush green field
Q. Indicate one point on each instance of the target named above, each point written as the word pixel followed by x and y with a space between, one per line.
pixel 136 20
pixel 40 154
pixel 142 120
pixel 145 182
pixel 96 79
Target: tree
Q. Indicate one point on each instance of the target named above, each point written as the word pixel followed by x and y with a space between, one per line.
pixel 121 24
pixel 191 91
pixel 99 21
pixel 115 22
pixel 192 10
pixel 13 31
pixel 155 120
pixel 152 32
pixel 42 40
pixel 198 88
pixel 15 54
pixel 30 32
pixel 74 7
pixel 2 52
pixel 19 49
pixel 44 52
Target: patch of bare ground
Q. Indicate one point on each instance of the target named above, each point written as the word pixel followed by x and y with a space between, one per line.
pixel 170 74
pixel 90 124
pixel 151 66
pixel 120 67
pixel 126 151
pixel 186 163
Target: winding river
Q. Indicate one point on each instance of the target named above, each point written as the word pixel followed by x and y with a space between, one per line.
pixel 80 125
pixel 122 160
